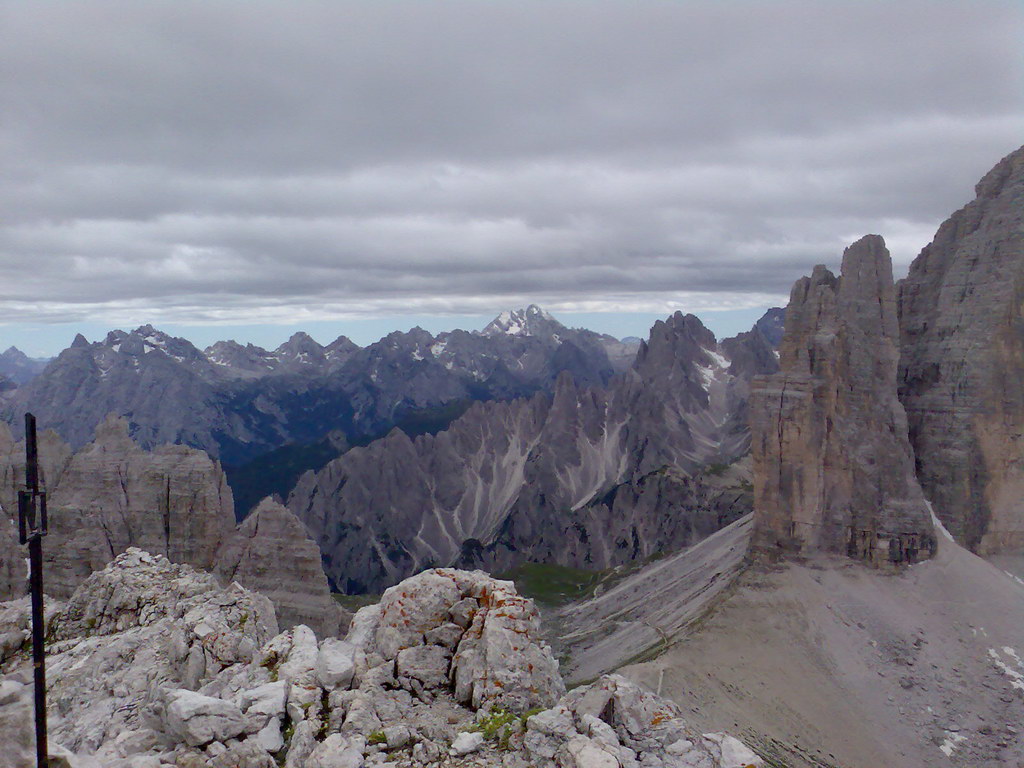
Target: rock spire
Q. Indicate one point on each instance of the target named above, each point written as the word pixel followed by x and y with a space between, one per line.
pixel 833 469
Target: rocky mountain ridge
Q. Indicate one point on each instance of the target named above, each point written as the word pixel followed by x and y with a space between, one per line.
pixel 155 665
pixel 587 476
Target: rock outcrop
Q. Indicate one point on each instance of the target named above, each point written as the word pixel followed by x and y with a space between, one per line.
pixel 962 364
pixel 153 664
pixel 585 477
pixel 173 501
pixel 271 552
pixel 833 468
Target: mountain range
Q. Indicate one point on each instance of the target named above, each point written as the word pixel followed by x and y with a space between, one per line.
pixel 239 403
pixel 584 476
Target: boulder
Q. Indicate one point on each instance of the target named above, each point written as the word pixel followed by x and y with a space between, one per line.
pixel 427 663
pixel 465 743
pixel 337 751
pixel 414 606
pixel 198 719
pixel 268 700
pixel 501 660
pixel 336 663
pixel 131 636
pixel 132 629
pixel 613 722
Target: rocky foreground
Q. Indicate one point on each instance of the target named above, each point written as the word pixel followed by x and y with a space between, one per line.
pixel 153 664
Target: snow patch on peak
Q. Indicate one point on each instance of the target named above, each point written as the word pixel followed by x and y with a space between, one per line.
pixel 533 309
pixel 716 370
pixel 719 359
pixel 155 340
pixel 519 322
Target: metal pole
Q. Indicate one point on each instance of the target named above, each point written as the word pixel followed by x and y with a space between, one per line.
pixel 31 529
pixel 35 553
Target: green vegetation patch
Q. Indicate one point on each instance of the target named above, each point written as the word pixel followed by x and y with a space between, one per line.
pixel 553 584
pixel 355 602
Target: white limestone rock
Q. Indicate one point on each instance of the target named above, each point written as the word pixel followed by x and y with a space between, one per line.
pixel 416 605
pixel 585 753
pixel 502 659
pixel 614 723
pixel 731 752
pixel 337 751
pixel 336 663
pixel 362 630
pixel 301 660
pixel 199 719
pixel 133 634
pixel 129 631
pixel 16 624
pixel 301 745
pixel 466 743
pixel 16 725
pixel 428 664
pixel 268 699
pixel 269 737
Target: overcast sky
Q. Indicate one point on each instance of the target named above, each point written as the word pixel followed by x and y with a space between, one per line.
pixel 356 167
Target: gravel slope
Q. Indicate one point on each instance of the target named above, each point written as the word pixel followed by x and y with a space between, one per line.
pixel 827 663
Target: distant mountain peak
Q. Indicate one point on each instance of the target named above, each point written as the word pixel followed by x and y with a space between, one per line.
pixel 301 348
pixel 531 321
pixel 771 325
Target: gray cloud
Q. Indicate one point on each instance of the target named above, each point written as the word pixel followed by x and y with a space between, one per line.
pixel 242 163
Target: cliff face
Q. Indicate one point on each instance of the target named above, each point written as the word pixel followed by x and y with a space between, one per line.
pixel 173 501
pixel 271 552
pixel 961 381
pixel 833 469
